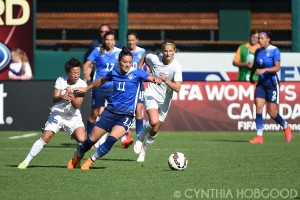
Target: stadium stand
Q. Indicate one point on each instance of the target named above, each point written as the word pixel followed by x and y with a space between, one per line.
pixel 148 21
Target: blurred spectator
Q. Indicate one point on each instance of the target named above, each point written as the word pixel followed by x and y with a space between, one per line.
pixel 19 68
pixel 244 56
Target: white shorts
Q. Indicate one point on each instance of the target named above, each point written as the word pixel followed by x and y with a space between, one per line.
pixel 162 107
pixel 56 121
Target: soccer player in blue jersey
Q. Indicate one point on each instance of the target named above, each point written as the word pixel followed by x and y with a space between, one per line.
pixel 118 115
pixel 266 66
pixel 137 53
pixel 104 59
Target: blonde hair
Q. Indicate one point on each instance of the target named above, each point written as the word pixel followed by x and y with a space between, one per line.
pixel 168 42
pixel 23 56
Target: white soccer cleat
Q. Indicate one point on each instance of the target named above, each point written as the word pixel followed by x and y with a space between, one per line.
pixel 142 155
pixel 137 147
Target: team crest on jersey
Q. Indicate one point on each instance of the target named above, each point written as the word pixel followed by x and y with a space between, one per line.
pixel 268 54
pixel 4 56
pixel 130 76
pixel 116 56
pixel 139 55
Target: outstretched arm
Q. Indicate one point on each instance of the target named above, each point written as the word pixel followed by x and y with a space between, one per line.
pixel 98 82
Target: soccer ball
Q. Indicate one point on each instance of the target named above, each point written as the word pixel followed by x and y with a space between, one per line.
pixel 177 161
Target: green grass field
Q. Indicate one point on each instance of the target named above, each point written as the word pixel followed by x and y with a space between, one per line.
pixel 221 166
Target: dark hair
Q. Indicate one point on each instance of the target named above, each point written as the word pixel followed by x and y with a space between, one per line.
pixel 125 52
pixel 252 32
pixel 101 25
pixel 267 34
pixel 133 33
pixel 109 33
pixel 73 62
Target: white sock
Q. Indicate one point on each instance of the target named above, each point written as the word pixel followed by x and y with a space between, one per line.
pixel 101 140
pixel 124 137
pixel 146 129
pixel 149 141
pixel 259 132
pixel 35 150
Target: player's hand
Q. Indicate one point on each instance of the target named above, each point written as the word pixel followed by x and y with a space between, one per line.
pixel 157 80
pixel 87 78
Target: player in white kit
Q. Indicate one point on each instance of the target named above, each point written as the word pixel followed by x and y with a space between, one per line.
pixel 158 98
pixel 64 113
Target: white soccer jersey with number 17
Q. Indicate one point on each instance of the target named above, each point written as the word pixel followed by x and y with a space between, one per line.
pixel 174 73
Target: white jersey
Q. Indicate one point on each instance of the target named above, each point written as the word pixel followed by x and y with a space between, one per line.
pixel 173 71
pixel 64 107
pixel 15 68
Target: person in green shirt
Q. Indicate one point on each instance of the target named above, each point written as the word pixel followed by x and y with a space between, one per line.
pixel 244 56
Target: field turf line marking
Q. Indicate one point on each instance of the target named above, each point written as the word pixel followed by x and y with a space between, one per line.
pixel 23 136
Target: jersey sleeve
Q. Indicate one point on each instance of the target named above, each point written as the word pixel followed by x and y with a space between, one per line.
pixel 58 83
pixel 93 55
pixel 142 74
pixel 276 55
pixel 178 74
pixel 152 59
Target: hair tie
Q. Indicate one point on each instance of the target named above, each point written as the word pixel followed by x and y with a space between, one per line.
pixel 168 43
pixel 266 34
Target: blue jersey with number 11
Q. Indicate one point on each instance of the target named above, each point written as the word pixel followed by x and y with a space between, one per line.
pixel 126 90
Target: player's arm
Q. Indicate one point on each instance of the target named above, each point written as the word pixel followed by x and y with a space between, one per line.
pixel 176 85
pixel 59 95
pixel 87 70
pixel 96 83
pixel 253 70
pixel 76 101
pixel 154 80
pixel 236 60
pixel 142 61
pixel 273 69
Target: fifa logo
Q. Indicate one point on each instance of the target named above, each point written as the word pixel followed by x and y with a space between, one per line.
pixel 2 96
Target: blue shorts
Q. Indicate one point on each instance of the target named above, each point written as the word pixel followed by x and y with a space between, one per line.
pixel 269 93
pixel 108 120
pixel 99 97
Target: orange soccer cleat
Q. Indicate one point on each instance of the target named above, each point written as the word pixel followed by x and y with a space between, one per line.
pixel 126 143
pixel 87 164
pixel 257 140
pixel 288 134
pixel 73 163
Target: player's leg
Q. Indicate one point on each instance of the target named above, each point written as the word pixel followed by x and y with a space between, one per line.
pixel 52 126
pixel 272 108
pixel 75 128
pixel 97 102
pixel 118 128
pixel 152 111
pixel 36 148
pixel 162 114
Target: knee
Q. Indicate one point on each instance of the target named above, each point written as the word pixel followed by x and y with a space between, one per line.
pixel 153 123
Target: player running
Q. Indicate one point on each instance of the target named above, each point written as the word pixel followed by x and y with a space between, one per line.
pixel 158 97
pixel 119 113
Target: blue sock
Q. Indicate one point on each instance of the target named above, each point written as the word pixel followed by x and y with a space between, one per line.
pixel 139 126
pixel 89 128
pixel 105 147
pixel 86 146
pixel 280 121
pixel 259 121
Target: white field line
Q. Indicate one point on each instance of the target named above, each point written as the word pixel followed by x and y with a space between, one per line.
pixel 23 136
